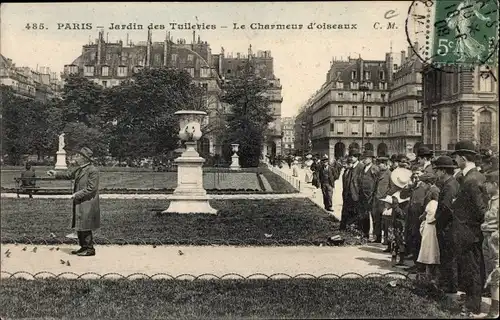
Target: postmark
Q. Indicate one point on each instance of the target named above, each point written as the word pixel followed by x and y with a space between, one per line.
pixel 461 33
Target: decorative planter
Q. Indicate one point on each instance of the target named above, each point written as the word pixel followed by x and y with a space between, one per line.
pixel 190 124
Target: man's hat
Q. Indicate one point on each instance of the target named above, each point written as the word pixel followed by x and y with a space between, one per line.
pixel 394 157
pixel 401 177
pixel 443 162
pixel 368 154
pixel 86 153
pixel 402 158
pixel 428 177
pixel 354 152
pixel 464 147
pixel 382 159
pixel 424 152
pixel 324 158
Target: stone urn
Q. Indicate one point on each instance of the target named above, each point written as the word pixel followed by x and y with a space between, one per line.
pixel 234 147
pixel 190 196
pixel 235 159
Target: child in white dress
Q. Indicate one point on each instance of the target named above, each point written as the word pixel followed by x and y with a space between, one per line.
pixel 429 249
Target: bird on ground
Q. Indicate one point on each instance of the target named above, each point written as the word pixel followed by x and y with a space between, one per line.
pixel 8 250
pixel 62 261
pixel 34 249
pixel 24 249
pixel 67 263
pixel 268 235
pixel 180 252
pixel 7 254
pixel 51 249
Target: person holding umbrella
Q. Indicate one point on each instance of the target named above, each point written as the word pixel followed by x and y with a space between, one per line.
pixel 85 197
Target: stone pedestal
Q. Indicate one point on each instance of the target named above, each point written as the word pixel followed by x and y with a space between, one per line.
pixel 61 160
pixel 190 196
pixel 235 159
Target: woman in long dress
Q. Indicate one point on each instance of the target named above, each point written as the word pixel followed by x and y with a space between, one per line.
pixel 429 250
pixel 295 167
pixel 307 165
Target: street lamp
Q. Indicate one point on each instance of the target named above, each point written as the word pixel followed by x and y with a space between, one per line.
pixel 434 115
pixel 303 138
pixel 363 88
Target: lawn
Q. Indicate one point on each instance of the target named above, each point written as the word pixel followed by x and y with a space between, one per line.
pixel 139 221
pixel 218 299
pixel 162 181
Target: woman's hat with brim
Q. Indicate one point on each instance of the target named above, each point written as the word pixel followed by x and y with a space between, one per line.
pixel 387 199
pixel 86 153
pixel 401 177
pixel 464 147
pixel 397 195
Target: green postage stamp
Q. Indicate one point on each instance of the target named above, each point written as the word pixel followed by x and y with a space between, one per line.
pixel 454 32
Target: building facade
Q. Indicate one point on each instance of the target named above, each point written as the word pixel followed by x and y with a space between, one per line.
pixel 108 64
pixel 41 84
pixel 303 129
pixel 405 105
pixel 288 143
pixel 337 108
pixel 460 104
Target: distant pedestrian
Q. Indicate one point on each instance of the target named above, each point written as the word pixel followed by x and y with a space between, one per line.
pixel 85 197
pixel 308 171
pixel 429 248
pixel 28 181
pixel 327 175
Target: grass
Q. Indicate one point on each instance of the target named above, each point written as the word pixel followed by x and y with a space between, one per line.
pixel 217 299
pixel 289 221
pixel 247 179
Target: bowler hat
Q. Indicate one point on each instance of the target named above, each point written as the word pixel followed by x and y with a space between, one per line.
pixel 382 159
pixel 443 162
pixel 465 147
pixel 86 153
pixel 394 157
pixel 324 158
pixel 424 152
pixel 428 177
pixel 401 177
pixel 368 154
pixel 354 152
pixel 402 158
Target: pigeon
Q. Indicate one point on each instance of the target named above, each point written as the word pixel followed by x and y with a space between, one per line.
pixel 268 235
pixel 52 235
pixel 51 249
pixel 24 249
pixel 7 252
pixel 154 246
pixel 180 252
pixel 67 263
pixel 393 283
pixel 57 249
pixel 62 261
pixel 34 249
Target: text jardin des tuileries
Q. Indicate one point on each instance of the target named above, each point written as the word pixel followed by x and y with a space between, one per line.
pixel 234 26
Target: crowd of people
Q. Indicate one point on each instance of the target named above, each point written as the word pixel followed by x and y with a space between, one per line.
pixel 439 212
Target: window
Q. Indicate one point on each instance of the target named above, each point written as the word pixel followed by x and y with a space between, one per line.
pixel 340 127
pixel 73 69
pixel 382 96
pixel 174 57
pixel 355 96
pixel 353 75
pixel 105 84
pixel 190 71
pixel 332 128
pixel 368 110
pixel 105 71
pixel 383 128
pixel 368 96
pixel 369 128
pixel 228 70
pixel 157 59
pixel 354 110
pixel 341 95
pixel 190 57
pixel 122 71
pixel 204 86
pixel 340 110
pixel 339 73
pixel 354 85
pixel 381 75
pixel 485 82
pixel 355 128
pixel 205 72
pixel 418 126
pixel 367 75
pixel 419 106
pixel 382 112
pixel 88 71
pixel 340 85
pixel 380 86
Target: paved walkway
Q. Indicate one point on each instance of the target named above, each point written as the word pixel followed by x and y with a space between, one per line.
pixel 198 260
pixel 168 196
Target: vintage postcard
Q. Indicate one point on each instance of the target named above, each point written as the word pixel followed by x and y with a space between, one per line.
pixel 249 160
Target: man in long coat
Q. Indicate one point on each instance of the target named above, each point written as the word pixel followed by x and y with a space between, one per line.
pixel 469 208
pixel 86 211
pixel 368 183
pixel 383 184
pixel 351 189
pixel 448 267
pixel 327 175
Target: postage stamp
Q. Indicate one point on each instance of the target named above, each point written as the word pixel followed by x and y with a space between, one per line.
pixel 454 32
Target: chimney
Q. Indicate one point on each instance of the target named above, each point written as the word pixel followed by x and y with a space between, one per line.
pixel 99 47
pixel 194 37
pixel 165 48
pixel 403 57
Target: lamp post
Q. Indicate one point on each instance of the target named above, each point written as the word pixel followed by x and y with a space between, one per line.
pixel 363 88
pixel 434 115
pixel 303 138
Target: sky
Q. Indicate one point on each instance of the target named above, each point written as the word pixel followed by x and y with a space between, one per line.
pixel 301 57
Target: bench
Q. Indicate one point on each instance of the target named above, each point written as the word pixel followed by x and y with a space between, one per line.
pixel 30 190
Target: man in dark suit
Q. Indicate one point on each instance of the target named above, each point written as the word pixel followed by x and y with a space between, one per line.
pixel 27 179
pixel 368 184
pixel 424 156
pixel 86 210
pixel 381 190
pixel 327 174
pixel 449 186
pixel 351 190
pixel 468 213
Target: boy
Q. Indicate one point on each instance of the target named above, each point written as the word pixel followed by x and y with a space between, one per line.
pixel 490 242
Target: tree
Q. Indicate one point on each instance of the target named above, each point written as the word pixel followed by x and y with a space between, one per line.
pixel 143 111
pixel 250 114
